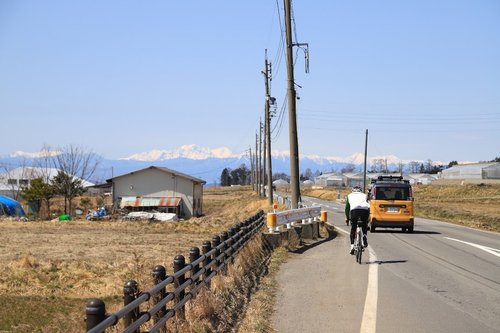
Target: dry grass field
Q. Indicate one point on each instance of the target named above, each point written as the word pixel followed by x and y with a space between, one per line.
pixel 473 205
pixel 48 270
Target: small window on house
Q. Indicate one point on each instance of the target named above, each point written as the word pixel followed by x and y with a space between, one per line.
pixel 12 181
pixel 24 181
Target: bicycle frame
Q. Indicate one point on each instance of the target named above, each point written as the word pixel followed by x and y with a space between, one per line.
pixel 358 242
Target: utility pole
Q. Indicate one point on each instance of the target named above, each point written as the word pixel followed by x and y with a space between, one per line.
pixel 364 171
pixel 252 169
pixel 257 173
pixel 268 134
pixel 263 129
pixel 261 157
pixel 292 117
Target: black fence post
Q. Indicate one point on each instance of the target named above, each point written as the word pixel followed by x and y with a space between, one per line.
pixel 215 243
pixel 205 248
pixel 95 311
pixel 194 254
pixel 130 291
pixel 179 263
pixel 159 274
pixel 223 238
pixel 230 242
pixel 236 234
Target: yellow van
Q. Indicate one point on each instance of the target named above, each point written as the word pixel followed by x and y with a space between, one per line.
pixel 391 204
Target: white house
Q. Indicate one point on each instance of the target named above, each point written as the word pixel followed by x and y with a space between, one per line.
pixel 159 188
pixel 12 181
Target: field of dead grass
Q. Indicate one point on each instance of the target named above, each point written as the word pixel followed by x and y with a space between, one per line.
pixel 48 270
pixel 472 205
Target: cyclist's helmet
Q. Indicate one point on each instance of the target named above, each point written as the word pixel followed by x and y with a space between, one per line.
pixel 356 188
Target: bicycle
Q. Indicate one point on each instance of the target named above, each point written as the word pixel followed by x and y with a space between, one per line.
pixel 358 240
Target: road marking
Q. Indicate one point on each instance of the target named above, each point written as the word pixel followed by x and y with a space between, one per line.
pixel 491 250
pixel 369 321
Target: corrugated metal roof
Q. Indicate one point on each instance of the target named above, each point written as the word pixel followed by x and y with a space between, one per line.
pixel 150 202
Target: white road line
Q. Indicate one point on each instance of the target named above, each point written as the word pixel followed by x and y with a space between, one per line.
pixel 369 322
pixel 491 250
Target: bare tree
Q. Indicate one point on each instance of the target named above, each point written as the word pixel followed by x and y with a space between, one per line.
pixel 378 165
pixel 414 166
pixel 77 163
pixel 44 170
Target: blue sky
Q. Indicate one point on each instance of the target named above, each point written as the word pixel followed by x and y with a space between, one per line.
pixel 122 77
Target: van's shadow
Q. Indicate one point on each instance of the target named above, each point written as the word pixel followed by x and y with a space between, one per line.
pixel 415 232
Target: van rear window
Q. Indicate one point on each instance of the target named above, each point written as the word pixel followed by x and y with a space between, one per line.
pixel 392 193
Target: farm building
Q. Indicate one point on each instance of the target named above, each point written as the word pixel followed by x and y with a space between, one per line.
pixel 329 179
pixel 307 183
pixel 354 179
pixel 421 178
pixel 280 183
pixel 473 171
pixel 161 189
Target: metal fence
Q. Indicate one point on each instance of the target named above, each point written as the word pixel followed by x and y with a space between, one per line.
pixel 187 280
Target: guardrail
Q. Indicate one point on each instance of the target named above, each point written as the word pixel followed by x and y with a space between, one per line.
pixel 187 280
pixel 289 217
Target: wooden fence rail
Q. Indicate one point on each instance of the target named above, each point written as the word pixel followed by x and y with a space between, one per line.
pixel 187 280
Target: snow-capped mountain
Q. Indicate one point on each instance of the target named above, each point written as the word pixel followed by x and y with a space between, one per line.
pixel 192 152
pixel 208 163
pixel 37 154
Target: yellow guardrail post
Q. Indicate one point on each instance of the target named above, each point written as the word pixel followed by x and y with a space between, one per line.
pixel 272 222
pixel 323 216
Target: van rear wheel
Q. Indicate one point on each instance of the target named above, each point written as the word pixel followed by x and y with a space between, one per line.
pixel 372 228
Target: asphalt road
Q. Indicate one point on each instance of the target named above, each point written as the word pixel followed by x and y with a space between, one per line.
pixel 441 278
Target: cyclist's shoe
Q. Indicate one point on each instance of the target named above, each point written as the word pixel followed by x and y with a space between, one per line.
pixel 351 251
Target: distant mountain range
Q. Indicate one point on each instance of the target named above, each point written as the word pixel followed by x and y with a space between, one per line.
pixel 207 163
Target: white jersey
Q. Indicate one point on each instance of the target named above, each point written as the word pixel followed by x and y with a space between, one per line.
pixel 357 200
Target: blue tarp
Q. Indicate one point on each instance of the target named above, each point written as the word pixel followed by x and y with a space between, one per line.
pixel 10 207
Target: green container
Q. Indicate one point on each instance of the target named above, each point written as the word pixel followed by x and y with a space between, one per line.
pixel 64 217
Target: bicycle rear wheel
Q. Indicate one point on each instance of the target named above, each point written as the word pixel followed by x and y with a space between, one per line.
pixel 359 251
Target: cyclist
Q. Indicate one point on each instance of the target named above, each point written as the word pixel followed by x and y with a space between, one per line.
pixel 357 206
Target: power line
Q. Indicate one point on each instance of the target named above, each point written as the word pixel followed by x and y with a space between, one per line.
pixel 281 46
pixel 281 119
